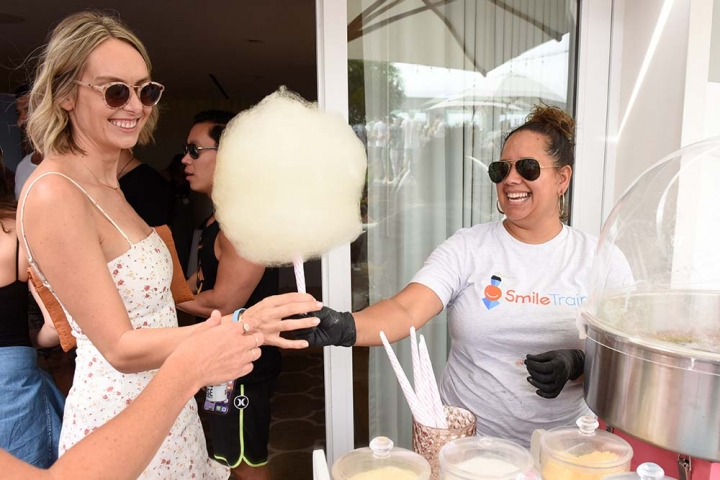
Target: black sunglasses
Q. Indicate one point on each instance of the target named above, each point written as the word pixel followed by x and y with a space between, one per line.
pixel 194 150
pixel 527 168
pixel 117 94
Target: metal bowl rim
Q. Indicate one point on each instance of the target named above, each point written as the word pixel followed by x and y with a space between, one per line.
pixel 663 348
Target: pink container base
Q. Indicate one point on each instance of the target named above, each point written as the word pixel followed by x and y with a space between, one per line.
pixel 644 452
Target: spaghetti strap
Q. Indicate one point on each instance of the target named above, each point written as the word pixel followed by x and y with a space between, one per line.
pixel 22 218
pixel 17 258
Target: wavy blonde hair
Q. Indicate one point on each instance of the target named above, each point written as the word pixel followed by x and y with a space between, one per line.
pixel 62 61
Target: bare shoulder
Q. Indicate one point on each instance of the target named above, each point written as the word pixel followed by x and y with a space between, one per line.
pixel 224 249
pixel 7 251
pixel 52 204
pixel 49 192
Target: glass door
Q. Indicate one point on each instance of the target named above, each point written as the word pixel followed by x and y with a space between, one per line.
pixel 433 87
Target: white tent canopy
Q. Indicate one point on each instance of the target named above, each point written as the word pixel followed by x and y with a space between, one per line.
pixel 508 91
pixel 459 34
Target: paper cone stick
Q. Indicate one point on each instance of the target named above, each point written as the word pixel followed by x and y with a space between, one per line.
pixel 433 391
pixel 421 414
pixel 299 274
pixel 415 360
pixel 421 381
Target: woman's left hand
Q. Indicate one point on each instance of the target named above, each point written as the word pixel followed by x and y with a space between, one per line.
pixel 550 371
pixel 267 316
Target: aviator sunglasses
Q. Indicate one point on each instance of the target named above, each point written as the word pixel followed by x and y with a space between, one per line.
pixel 527 168
pixel 194 150
pixel 117 94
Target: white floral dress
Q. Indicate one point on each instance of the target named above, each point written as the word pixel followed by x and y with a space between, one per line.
pixel 142 276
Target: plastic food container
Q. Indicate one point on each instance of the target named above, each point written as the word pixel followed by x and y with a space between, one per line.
pixel 485 458
pixel 645 471
pixel 381 461
pixel 582 453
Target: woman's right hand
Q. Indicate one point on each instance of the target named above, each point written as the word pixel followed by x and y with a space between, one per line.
pixel 268 316
pixel 217 352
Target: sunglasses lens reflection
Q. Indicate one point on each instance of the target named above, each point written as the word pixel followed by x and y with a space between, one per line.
pixel 117 95
pixel 498 171
pixel 528 168
pixel 150 94
pixel 192 149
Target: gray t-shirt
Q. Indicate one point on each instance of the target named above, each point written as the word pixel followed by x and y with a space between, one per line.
pixel 506 299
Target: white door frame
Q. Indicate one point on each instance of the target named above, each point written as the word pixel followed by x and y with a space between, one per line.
pixel 593 171
pixel 332 74
pixel 590 176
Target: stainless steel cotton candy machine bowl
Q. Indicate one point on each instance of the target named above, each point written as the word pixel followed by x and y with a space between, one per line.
pixel 653 319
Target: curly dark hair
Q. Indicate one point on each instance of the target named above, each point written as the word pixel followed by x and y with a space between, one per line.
pixel 559 129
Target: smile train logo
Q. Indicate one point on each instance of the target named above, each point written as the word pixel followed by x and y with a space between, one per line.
pixel 492 293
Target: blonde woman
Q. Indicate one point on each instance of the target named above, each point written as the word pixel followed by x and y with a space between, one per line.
pixel 93 96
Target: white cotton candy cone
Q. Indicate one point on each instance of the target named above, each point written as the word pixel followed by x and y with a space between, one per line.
pixel 288 181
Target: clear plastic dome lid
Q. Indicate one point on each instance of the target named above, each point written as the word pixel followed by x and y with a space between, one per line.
pixel 586 446
pixel 656 273
pixel 645 471
pixel 381 461
pixel 484 458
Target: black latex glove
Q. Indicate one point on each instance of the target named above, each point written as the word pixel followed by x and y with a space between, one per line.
pixel 335 328
pixel 550 371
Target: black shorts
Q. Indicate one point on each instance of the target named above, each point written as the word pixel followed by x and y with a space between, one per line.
pixel 242 434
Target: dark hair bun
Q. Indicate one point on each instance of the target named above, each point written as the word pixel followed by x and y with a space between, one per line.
pixel 554 117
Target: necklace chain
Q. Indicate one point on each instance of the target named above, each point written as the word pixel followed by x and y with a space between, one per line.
pixel 124 167
pixel 98 178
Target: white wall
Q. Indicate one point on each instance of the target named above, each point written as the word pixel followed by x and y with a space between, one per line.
pixel 714 75
pixel 712 101
pixel 678 102
pixel 654 126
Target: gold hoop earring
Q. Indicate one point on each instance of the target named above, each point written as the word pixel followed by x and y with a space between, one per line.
pixel 562 205
pixel 497 205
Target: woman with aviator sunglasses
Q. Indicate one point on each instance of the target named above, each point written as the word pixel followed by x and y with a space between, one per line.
pixel 511 288
pixel 92 98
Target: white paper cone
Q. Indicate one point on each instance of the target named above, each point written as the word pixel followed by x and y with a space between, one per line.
pixel 421 414
pixel 299 275
pixel 431 384
pixel 416 367
pixel 420 380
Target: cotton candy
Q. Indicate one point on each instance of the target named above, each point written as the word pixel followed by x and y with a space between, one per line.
pixel 288 181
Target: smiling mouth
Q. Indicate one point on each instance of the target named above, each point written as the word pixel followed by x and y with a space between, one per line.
pixel 125 124
pixel 517 198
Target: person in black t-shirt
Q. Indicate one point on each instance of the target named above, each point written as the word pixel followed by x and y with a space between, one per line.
pixel 145 190
pixel 226 281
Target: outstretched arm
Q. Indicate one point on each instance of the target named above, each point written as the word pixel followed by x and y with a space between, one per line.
pixel 215 353
pixel 414 306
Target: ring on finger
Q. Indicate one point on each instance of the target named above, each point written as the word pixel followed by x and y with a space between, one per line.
pixel 237 317
pixel 257 343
